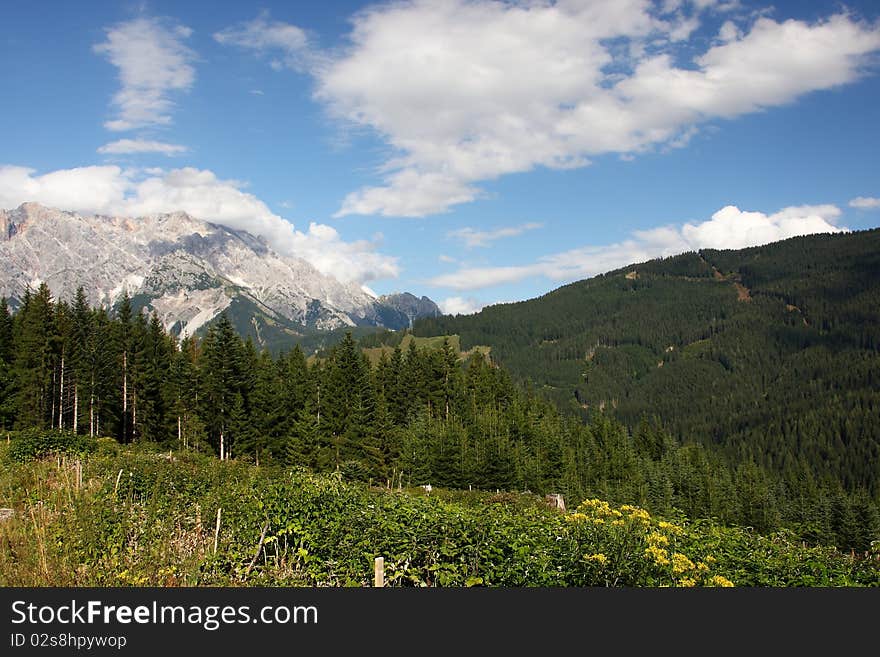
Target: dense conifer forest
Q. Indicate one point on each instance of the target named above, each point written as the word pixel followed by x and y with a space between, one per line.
pixel 417 416
pixel 769 356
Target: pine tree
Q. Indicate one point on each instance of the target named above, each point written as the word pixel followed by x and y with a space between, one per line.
pixel 154 365
pixel 100 375
pixel 412 383
pixel 263 438
pixel 304 438
pixel 33 335
pixel 5 332
pixel 294 374
pixel 123 347
pixel 184 395
pixel 221 380
pixel 7 392
pixel 81 379
pixel 62 371
pixel 137 373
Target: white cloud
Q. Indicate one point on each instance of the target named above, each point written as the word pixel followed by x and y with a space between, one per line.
pixel 445 258
pixel 357 261
pixel 865 202
pixel 469 90
pixel 474 238
pixel 410 194
pixel 127 146
pixel 200 193
pixel 94 189
pixel 153 62
pixel 460 306
pixel 263 35
pixel 729 228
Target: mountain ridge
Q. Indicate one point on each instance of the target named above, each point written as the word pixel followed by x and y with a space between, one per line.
pixel 186 269
pixel 772 351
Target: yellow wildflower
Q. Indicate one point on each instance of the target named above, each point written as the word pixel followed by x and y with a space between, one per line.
pixel 659 555
pixel 640 514
pixel 617 523
pixel 687 582
pixel 598 521
pixel 669 527
pixel 599 558
pixel 657 539
pixel 681 564
pixel 718 580
pixel 702 567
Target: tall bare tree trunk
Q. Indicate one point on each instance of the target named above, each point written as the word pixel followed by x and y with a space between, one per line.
pixel 124 396
pixel 43 408
pixel 61 397
pixel 221 445
pixel 75 408
pixel 134 415
pixel 92 428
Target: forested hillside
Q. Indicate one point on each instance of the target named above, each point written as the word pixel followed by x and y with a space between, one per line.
pixel 771 354
pixel 418 416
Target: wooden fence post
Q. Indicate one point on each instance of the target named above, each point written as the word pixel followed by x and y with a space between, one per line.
pixel 379 572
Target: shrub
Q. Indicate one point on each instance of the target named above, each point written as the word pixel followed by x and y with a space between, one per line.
pixel 36 443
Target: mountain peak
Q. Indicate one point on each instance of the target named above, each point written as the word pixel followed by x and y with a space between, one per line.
pixel 411 306
pixel 187 270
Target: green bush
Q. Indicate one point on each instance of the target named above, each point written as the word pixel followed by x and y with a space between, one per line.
pixel 35 443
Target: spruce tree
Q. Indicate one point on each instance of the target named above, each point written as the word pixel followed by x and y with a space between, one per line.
pixel 7 392
pixel 33 336
pixel 124 351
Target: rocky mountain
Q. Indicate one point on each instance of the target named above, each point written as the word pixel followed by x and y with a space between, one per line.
pixel 410 305
pixel 188 271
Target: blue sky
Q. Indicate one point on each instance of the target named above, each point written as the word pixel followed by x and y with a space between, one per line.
pixel 472 151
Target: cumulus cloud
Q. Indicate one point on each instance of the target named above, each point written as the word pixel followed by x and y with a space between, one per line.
pixel 466 91
pixel 93 189
pixel 129 146
pixel 460 306
pixel 357 261
pixel 115 191
pixel 153 62
pixel 474 238
pixel 865 203
pixel 729 228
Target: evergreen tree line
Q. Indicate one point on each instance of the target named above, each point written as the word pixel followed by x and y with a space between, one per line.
pixel 418 416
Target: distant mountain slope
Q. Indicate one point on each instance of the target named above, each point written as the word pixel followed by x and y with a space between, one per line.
pixel 773 350
pixel 185 269
pixel 410 305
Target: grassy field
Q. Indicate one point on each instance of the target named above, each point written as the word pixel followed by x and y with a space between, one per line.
pixel 94 513
pixel 434 342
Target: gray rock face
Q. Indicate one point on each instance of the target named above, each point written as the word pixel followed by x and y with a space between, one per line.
pixel 410 305
pixel 185 269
